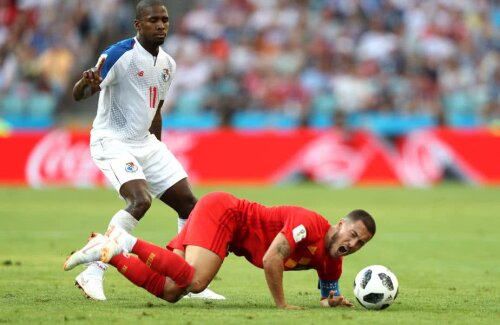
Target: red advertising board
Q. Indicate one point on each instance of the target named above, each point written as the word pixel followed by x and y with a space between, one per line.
pixel 62 157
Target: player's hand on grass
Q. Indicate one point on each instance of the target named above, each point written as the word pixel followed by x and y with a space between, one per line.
pixel 336 301
pixel 287 306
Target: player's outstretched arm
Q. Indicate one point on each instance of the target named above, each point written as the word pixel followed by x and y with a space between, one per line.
pixel 335 301
pixel 89 83
pixel 277 252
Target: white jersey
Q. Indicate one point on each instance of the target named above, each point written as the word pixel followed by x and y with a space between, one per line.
pixel 134 85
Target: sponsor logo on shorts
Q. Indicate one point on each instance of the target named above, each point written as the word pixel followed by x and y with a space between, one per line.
pixel 130 167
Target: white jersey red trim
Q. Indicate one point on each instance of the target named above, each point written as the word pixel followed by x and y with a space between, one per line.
pixel 134 83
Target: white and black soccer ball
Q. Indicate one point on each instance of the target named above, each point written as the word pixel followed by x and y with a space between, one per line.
pixel 376 287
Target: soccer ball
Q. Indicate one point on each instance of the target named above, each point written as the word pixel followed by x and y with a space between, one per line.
pixel 376 287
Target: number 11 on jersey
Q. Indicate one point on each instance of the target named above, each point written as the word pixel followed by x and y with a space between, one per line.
pixel 153 92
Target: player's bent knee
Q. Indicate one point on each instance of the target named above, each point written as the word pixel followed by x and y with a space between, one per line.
pixel 171 298
pixel 141 204
pixel 198 286
pixel 172 293
pixel 144 202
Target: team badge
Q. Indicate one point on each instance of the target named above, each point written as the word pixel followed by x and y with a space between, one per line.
pixel 130 167
pixel 299 233
pixel 165 75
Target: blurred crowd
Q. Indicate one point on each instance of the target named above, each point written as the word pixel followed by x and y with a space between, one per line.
pixel 44 47
pixel 261 63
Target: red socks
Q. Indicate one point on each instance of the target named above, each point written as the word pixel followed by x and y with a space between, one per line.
pixel 164 262
pixel 153 265
pixel 139 274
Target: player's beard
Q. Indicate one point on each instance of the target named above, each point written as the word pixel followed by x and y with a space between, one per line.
pixel 341 250
pixel 331 242
pixel 153 40
pixel 157 41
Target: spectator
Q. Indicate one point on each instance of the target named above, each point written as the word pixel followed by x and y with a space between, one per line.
pixel 295 59
pixel 42 45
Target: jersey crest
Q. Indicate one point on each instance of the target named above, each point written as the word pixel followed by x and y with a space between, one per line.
pixel 299 233
pixel 130 167
pixel 165 75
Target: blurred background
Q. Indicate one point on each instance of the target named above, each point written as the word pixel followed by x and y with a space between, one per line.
pixel 387 67
pixel 392 106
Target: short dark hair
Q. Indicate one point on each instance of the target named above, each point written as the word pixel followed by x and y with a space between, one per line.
pixel 365 217
pixel 144 4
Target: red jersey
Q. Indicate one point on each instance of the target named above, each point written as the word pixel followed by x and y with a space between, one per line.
pixel 224 223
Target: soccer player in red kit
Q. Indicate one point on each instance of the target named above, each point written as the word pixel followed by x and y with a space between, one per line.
pixel 276 239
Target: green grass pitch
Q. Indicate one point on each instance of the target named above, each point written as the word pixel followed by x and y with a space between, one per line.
pixel 442 243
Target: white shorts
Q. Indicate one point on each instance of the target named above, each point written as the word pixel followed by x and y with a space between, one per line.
pixel 149 160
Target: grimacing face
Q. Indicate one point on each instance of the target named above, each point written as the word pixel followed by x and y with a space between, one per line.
pixel 153 25
pixel 348 238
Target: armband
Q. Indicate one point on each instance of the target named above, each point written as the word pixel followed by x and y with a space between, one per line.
pixel 326 286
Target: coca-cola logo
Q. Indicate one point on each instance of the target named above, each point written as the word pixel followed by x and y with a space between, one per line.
pixel 423 158
pixel 419 159
pixel 326 159
pixel 58 159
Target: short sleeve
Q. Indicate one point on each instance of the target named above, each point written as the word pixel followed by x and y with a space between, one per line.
pixel 174 68
pixel 107 74
pixel 113 59
pixel 301 227
pixel 170 74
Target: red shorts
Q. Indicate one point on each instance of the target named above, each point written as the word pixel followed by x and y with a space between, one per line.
pixel 211 224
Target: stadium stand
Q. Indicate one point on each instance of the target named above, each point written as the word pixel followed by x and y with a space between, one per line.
pixel 391 66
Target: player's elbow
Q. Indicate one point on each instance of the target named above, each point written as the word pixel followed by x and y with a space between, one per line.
pixel 268 261
pixel 271 257
pixel 265 262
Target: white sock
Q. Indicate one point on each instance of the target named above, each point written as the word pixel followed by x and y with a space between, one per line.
pixel 124 220
pixel 180 224
pixel 121 219
pixel 97 267
pixel 126 241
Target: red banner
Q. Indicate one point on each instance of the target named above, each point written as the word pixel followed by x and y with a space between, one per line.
pixel 422 158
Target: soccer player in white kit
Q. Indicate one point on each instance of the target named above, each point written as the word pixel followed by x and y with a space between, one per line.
pixel 133 78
